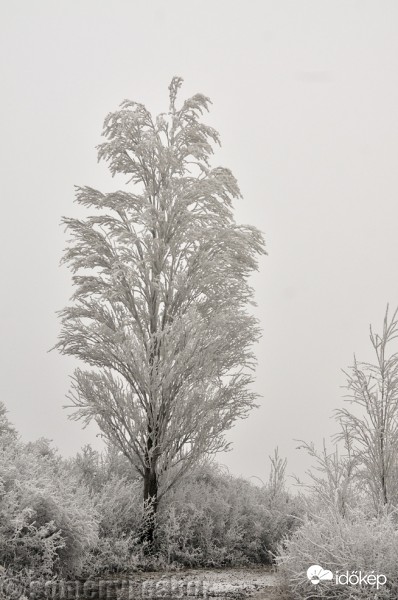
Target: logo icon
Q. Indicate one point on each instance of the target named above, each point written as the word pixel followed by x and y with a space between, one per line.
pixel 316 574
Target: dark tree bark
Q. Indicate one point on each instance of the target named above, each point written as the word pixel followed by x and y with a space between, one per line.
pixel 150 504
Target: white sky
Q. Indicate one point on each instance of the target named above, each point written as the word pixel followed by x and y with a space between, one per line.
pixel 305 97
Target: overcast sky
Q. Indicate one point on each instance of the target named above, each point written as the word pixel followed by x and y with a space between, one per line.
pixel 305 97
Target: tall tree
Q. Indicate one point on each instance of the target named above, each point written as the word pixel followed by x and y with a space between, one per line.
pixel 161 293
pixel 373 427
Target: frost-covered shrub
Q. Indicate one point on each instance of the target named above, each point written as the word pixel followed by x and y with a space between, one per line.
pixel 16 585
pixel 85 516
pixel 341 531
pixel 216 519
pixel 122 555
pixel 110 554
pixel 94 469
pixel 120 507
pixel 25 544
pixel 356 542
pixel 47 519
pixel 210 519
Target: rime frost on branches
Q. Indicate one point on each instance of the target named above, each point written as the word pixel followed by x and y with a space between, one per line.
pixel 161 294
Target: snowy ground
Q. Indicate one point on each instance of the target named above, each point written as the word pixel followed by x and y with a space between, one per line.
pixel 228 584
pixel 188 584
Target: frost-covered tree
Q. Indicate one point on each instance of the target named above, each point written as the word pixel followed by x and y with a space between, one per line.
pixel 161 295
pixel 373 427
pixel 7 430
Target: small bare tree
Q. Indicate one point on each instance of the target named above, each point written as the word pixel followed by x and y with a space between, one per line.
pixel 332 478
pixel 277 476
pixel 161 293
pixel 373 430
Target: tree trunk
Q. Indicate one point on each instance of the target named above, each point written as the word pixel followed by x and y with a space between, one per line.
pixel 383 468
pixel 150 504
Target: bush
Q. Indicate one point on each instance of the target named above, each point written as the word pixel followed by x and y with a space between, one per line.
pixel 356 542
pixel 120 508
pixel 84 517
pixel 47 519
pixel 215 519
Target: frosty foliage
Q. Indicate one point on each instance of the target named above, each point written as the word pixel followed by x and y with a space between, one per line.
pixel 371 422
pixel 350 506
pixel 209 519
pixel 84 516
pixel 161 292
pixel 47 519
pixel 215 519
pixel 355 542
pixel 333 480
